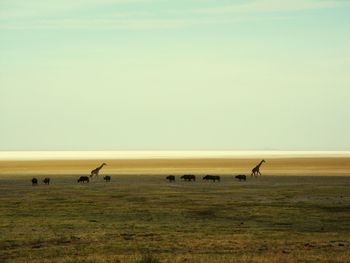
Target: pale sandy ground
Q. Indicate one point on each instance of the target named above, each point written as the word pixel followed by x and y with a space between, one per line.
pixel 312 166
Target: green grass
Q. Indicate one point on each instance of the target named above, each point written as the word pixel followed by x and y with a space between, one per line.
pixel 146 219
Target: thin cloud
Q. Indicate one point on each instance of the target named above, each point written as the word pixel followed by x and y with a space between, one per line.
pixel 103 24
pixel 40 14
pixel 125 21
pixel 78 14
pixel 268 6
pixel 17 9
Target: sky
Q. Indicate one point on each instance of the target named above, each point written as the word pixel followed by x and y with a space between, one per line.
pixel 174 75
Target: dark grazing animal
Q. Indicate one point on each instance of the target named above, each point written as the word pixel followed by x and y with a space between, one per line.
pixel 46 180
pixel 241 177
pixel 212 177
pixel 83 179
pixel 188 177
pixel 171 178
pixel 107 178
pixel 34 181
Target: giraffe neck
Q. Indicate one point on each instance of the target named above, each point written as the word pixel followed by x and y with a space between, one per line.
pixel 100 167
pixel 260 164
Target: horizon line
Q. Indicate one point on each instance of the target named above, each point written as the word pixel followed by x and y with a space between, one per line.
pixel 169 154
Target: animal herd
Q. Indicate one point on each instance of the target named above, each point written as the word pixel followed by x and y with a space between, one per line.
pixel 170 178
pixel 81 179
pixel 213 178
pixel 45 181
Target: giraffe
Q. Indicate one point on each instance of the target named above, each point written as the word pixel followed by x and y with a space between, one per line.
pixel 97 170
pixel 256 169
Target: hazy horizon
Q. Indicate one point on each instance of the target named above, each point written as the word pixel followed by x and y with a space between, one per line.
pixel 174 75
pixel 105 155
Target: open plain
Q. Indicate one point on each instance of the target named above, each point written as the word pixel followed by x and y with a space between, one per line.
pixel 297 211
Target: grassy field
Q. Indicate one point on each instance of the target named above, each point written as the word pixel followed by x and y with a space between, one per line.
pixel 143 218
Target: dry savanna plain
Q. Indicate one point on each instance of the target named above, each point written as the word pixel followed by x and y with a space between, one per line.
pixel 297 211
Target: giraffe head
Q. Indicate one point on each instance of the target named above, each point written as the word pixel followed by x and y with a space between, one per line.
pixel 104 164
pixel 263 161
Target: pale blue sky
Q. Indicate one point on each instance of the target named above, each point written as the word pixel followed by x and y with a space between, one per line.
pixel 174 75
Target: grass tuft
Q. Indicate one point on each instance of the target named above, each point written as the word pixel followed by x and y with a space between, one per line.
pixel 148 258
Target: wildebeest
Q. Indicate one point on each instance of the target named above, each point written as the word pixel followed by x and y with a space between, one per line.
pixel 171 178
pixel 212 177
pixel 107 178
pixel 46 180
pixel 83 179
pixel 34 181
pixel 241 177
pixel 188 177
